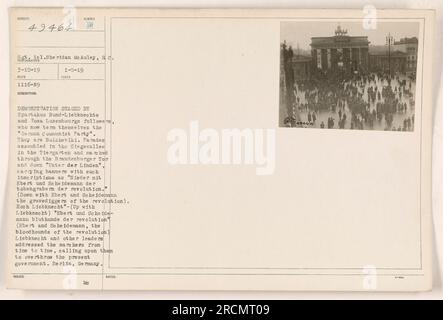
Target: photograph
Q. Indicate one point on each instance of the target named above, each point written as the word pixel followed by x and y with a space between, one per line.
pixel 342 76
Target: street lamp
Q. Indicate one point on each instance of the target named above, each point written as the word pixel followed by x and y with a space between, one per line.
pixel 389 43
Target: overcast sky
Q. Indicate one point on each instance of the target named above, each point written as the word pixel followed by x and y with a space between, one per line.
pixel 301 31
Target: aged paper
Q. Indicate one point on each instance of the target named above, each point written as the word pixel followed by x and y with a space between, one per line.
pixel 220 149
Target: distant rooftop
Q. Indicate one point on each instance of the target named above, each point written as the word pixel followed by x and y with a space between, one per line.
pixel 395 53
pixel 375 49
pixel 301 58
pixel 407 40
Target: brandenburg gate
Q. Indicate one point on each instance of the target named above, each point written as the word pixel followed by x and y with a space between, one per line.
pixel 340 51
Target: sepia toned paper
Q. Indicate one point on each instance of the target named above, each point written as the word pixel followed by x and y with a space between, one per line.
pixel 177 149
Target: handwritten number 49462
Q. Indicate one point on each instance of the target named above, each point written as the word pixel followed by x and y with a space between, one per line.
pixel 50 27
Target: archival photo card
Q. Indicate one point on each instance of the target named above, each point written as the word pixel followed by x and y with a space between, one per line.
pixel 153 149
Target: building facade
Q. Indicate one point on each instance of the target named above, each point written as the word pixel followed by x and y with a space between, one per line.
pixel 301 66
pixel 410 47
pixel 393 62
pixel 341 51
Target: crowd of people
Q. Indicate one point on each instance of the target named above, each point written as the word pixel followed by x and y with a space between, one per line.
pixel 358 101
